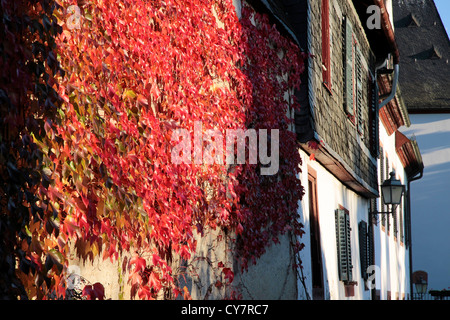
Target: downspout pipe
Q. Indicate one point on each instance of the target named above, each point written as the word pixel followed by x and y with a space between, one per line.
pixel 393 90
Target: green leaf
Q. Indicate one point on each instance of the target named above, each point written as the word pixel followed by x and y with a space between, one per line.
pixel 72 165
pixel 130 94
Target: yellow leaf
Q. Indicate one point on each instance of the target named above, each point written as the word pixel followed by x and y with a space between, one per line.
pixel 129 94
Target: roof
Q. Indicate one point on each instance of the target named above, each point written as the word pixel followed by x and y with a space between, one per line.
pixel 409 154
pixel 425 50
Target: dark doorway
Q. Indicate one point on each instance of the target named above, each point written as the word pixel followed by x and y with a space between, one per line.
pixel 316 250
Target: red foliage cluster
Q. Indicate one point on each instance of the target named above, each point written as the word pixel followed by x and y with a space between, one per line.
pixel 28 67
pixel 134 72
pixel 269 203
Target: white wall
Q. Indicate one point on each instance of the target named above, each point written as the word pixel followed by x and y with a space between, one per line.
pixel 430 199
pixel 391 254
pixel 331 194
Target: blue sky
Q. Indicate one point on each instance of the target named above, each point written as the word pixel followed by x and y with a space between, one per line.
pixel 444 11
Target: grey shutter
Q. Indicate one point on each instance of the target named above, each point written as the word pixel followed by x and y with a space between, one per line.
pixel 401 221
pixel 363 249
pixel 343 237
pixel 386 217
pixel 370 249
pixel 359 88
pixel 384 174
pixel 373 117
pixel 370 246
pixel 348 66
pixel 395 222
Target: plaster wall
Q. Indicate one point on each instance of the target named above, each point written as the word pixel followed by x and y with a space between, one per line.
pixel 331 194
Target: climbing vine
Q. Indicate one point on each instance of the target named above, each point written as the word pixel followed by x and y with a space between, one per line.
pixel 28 67
pixel 131 73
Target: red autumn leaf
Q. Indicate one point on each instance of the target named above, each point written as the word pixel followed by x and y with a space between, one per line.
pixel 88 292
pixel 135 279
pixel 155 92
pixel 144 293
pixel 239 228
pixel 139 263
pixel 93 292
pixel 229 275
pixel 99 291
pixel 142 100
pixel 156 259
pixel 154 282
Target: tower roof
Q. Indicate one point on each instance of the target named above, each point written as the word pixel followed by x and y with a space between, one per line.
pixel 425 50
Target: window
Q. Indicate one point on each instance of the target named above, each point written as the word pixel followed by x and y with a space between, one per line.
pixel 401 220
pixel 384 172
pixel 386 217
pixel 373 117
pixel 326 45
pixel 359 89
pixel 395 221
pixel 384 175
pixel 370 250
pixel 363 249
pixel 366 249
pixel 348 68
pixel 344 250
pixel 398 221
pixel 354 88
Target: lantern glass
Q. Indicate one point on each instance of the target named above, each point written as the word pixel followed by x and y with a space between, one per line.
pixel 421 287
pixel 392 190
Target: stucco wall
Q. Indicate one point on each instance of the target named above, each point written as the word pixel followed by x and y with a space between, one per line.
pixel 273 277
pixel 391 252
pixel 332 193
pixel 109 273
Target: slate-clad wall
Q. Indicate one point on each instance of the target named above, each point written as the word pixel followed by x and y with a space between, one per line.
pixel 331 121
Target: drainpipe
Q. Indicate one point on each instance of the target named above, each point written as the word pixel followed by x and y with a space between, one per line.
pixel 408 212
pixel 394 88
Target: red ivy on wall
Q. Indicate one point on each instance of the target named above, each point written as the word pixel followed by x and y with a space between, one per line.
pixel 134 71
pixel 28 67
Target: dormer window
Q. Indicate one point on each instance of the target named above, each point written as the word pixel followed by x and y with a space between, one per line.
pixel 435 54
pixel 413 21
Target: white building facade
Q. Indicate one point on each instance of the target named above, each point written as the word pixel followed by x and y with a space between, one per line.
pixel 354 249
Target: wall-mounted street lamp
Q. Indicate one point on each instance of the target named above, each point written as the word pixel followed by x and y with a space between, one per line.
pixel 392 191
pixel 420 280
pixel 421 287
